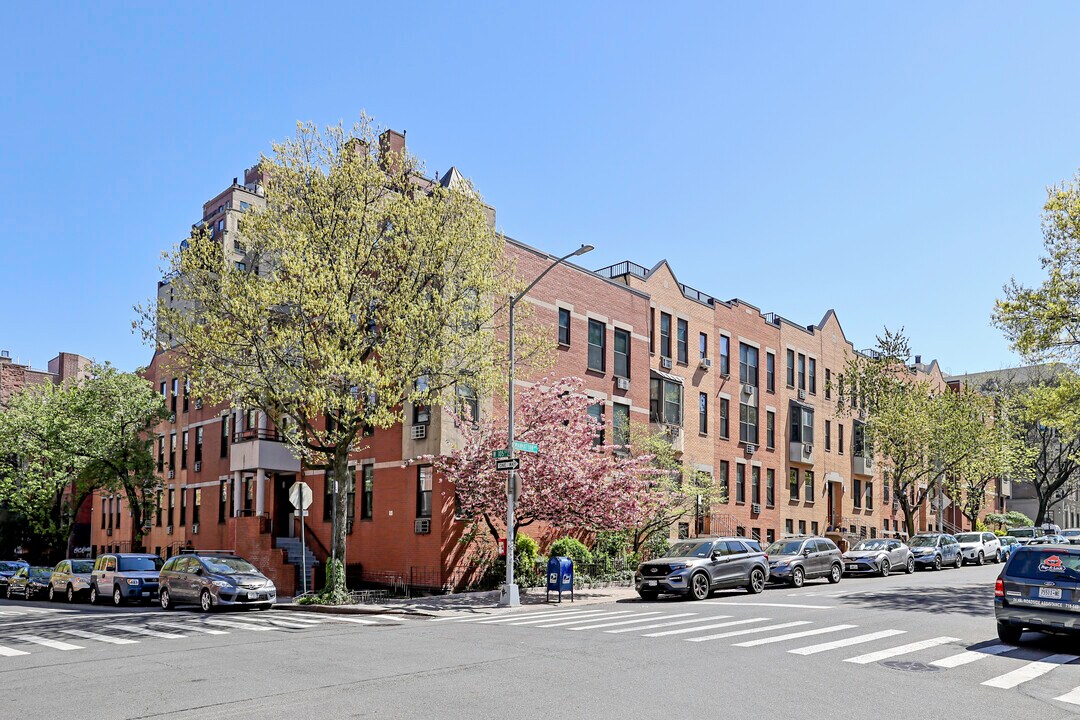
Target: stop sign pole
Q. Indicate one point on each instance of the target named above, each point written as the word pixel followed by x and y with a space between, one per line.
pixel 300 497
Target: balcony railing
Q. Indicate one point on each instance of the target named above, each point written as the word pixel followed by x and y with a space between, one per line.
pixel 624 268
pixel 257 434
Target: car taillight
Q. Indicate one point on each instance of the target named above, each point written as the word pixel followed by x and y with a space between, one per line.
pixel 766 557
pixel 999 588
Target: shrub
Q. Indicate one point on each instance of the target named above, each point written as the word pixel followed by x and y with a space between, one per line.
pixel 573 549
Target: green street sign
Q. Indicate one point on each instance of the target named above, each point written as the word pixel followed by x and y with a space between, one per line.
pixel 502 454
pixel 526 447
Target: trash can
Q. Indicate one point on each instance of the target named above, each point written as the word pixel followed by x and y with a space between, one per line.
pixel 560 577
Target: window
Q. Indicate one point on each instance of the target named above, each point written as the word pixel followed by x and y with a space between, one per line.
pixel 770 537
pixel 770 487
pixel 793 483
pixel 665 335
pixel 856 495
pixel 187 393
pixel 328 496
pixel 869 495
pixel 791 368
pixel 682 341
pixel 813 375
pixel 813 527
pixel 183 450
pixel 725 355
pixel 802 371
pixel 172 504
pixel 620 424
pixel 840 438
pixel 225 435
pixel 104 512
pixel 597 333
pixel 118 501
pixel 367 494
pixel 703 413
pixel 808 483
pixel 183 506
pixel 828 384
pixel 802 424
pixel 164 389
pixel 196 507
pixel 158 508
pixel 885 496
pixel 564 326
pixel 596 412
pixel 748 424
pixel 172 451
pixel 665 402
pixel 828 436
pixel 703 346
pixel 858 439
pixel 175 392
pixel 468 402
pixel 161 453
pixel 755 484
pixel 350 501
pixel 802 527
pixel 241 266
pixel 723 480
pixel 423 491
pixel 770 372
pixel 652 330
pixel 221 224
pixel 198 444
pixel 770 429
pixel 740 483
pixel 622 353
pixel 223 500
pixel 748 358
pixel 789 526
pixel 724 402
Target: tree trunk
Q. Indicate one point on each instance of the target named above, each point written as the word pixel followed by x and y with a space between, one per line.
pixel 335 578
pixel 1044 506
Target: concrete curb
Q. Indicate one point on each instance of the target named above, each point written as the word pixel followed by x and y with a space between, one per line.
pixel 352 610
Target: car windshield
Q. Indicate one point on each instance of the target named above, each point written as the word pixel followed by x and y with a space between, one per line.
pixel 10 566
pixel 41 573
pixel 1045 565
pixel 229 566
pixel 689 549
pixel 871 545
pixel 137 564
pixel 969 537
pixel 1070 533
pixel 790 547
pixel 923 541
pixel 1022 532
pixel 82 566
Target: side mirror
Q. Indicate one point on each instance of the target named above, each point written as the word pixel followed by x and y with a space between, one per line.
pixel 806 552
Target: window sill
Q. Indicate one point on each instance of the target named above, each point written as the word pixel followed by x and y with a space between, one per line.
pixel 564 346
pixel 808 502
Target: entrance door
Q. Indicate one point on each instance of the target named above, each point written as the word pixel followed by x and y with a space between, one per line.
pixel 283 519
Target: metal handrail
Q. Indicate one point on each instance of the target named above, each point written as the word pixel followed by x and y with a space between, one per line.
pixel 257 434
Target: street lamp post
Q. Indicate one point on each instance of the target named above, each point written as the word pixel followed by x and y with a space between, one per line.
pixel 509 595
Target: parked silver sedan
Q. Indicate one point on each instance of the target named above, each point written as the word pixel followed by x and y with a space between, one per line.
pixel 71 579
pixel 879 556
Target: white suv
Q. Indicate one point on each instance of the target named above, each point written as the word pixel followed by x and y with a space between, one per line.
pixel 978 547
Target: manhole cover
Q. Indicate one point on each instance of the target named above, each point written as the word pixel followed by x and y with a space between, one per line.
pixel 910 666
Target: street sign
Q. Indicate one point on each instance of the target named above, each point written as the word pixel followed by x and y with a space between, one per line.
pixel 508 464
pixel 300 495
pixel 526 447
pixel 501 454
pixel 502 547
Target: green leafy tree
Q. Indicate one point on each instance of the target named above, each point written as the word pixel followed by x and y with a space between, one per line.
pixel 365 287
pixel 1051 413
pixel 1011 519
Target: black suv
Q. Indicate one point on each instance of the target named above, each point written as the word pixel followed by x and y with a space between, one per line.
pixel 1039 589
pixel 697 567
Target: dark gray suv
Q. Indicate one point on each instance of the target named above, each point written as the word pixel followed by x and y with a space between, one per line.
pixel 797 559
pixel 697 567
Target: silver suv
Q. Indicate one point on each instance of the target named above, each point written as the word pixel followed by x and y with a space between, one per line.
pixel 797 559
pixel 699 566
pixel 213 579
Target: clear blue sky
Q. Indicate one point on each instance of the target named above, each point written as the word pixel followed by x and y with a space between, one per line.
pixel 886 162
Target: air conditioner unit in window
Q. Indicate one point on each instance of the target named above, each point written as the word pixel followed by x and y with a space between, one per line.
pixel 168 530
pixel 807 450
pixel 194 528
pixel 755 509
pixel 622 383
pixel 172 474
pixel 748 389
pixel 705 363
pixel 198 465
pixel 665 362
pixel 108 532
pixel 802 394
pixel 862 413
pixel 172 418
pixel 751 449
pixel 198 403
pixel 419 432
pixel 422 526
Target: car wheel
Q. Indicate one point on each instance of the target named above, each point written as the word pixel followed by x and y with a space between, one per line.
pixel 937 562
pixel 980 560
pixel 165 599
pixel 70 594
pixel 93 595
pixel 959 561
pixel 699 586
pixel 757 581
pixel 910 566
pixel 117 597
pixel 205 601
pixel 52 594
pixel 836 573
pixel 798 577
pixel 1009 634
pixel 648 594
pixel 886 568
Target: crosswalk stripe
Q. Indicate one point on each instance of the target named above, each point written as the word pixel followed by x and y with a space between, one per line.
pixel 357 621
pixel 11 652
pixel 395 618
pixel 295 617
pixel 193 626
pixel 581 620
pixel 765 604
pixel 971 656
pixel 1029 672
pixel 236 625
pixel 900 650
pixel 546 618
pixel 539 617
pixel 280 623
pixel 663 624
pixel 857 640
pixel 55 644
pixel 640 619
pixel 751 631
pixel 699 628
pixel 1073 696
pixel 100 638
pixel 145 631
pixel 795 635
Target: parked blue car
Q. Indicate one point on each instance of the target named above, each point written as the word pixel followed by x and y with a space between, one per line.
pixel 935 550
pixel 1008 546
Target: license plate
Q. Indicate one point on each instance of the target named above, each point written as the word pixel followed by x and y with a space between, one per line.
pixel 146 593
pixel 1050 593
pixel 252 595
pixel 651 583
pixel 852 567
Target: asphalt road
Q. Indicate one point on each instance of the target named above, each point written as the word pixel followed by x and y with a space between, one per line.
pixel 912 647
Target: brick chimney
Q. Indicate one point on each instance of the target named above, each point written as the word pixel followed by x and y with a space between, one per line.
pixel 391 150
pixel 253 174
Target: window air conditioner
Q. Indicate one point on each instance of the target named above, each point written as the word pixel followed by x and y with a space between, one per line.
pixel 422 526
pixel 748 389
pixel 751 449
pixel 755 509
pixel 807 450
pixel 622 383
pixel 419 432
pixel 108 532
pixel 195 528
pixel 665 362
pixel 198 465
pixel 705 363
pixel 802 394
pixel 168 530
pixel 198 403
pixel 172 474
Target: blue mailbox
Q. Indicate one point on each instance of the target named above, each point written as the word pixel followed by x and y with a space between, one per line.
pixel 560 577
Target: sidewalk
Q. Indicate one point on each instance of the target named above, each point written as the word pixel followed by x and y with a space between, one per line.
pixel 476 602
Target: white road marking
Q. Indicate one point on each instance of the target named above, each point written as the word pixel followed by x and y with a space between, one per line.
pixel 776 605
pixel 193 626
pixel 295 617
pixel 11 652
pixel 1073 696
pixel 699 628
pixel 236 625
pixel 145 631
pixel 395 618
pixel 488 619
pixel 1029 672
pixel 100 638
pixel 751 631
pixel 665 624
pixel 795 635
pixel 971 656
pixel 356 620
pixel 55 644
pixel 546 618
pixel 900 650
pixel 620 613
pixel 857 640
pixel 279 623
pixel 640 619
